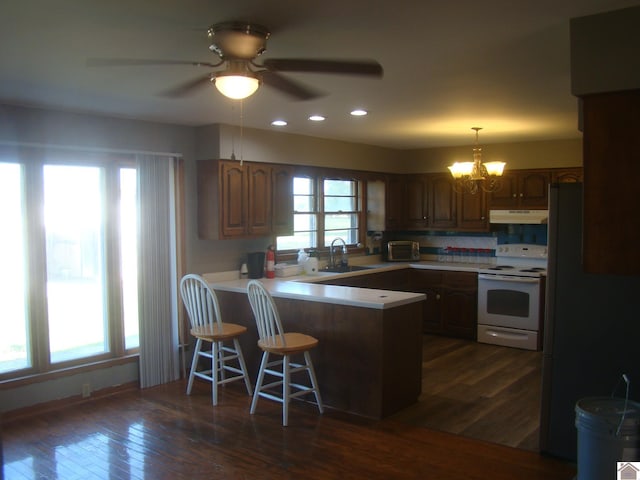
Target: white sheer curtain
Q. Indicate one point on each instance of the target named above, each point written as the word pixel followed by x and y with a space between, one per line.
pixel 157 288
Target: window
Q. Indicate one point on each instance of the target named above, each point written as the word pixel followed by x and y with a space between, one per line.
pixel 324 208
pixel 340 210
pixel 305 225
pixel 68 286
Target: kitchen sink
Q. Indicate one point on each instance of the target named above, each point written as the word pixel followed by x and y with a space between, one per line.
pixel 345 269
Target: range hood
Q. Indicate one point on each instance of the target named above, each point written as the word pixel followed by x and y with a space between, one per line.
pixel 519 216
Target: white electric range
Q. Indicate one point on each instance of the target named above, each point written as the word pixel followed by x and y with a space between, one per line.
pixel 510 300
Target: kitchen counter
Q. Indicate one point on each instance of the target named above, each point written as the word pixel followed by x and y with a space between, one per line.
pixel 303 288
pixel 369 357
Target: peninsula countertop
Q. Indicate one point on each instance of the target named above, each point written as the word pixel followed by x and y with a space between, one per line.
pixel 295 289
pixel 304 287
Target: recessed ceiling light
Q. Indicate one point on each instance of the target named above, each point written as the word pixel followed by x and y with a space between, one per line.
pixel 316 118
pixel 359 112
pixel 279 123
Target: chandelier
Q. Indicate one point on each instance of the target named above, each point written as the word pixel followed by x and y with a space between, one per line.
pixel 470 177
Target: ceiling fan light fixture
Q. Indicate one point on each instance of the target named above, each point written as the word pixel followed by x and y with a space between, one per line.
pixel 236 86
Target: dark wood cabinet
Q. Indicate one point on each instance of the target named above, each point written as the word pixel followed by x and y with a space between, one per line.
pixel 443 202
pixel 611 171
pixel 259 200
pixel 567 175
pixel 451 305
pixel 248 200
pixel 472 212
pixel 417 202
pixel 459 304
pixel 526 189
pixel 233 199
pixel 395 213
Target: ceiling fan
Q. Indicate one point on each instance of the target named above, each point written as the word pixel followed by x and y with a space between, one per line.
pixel 237 45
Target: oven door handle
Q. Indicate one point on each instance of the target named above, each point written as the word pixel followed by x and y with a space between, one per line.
pixel 508 278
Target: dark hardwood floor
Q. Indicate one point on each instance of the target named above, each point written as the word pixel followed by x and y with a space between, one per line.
pixel 161 433
pixel 481 391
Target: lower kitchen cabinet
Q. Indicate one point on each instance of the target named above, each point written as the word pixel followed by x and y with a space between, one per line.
pixel 451 305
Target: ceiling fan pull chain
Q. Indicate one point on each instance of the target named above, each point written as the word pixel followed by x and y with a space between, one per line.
pixel 241 129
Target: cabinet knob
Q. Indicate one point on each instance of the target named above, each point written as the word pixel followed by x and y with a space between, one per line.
pixel 437 296
pixel 514 195
pixel 521 195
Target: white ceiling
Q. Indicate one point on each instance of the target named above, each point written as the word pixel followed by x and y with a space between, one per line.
pixel 449 65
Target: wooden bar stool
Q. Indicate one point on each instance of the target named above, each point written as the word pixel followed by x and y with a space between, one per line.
pixel 273 340
pixel 207 327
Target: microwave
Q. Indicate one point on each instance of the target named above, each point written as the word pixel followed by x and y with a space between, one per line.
pixel 403 251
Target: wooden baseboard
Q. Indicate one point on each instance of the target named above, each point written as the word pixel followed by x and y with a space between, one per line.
pixel 46 407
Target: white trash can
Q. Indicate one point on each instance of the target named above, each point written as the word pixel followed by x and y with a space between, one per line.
pixel 608 432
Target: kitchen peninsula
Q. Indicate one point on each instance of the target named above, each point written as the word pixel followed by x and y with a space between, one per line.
pixel 369 358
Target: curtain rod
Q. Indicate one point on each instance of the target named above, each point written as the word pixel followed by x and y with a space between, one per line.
pixel 77 148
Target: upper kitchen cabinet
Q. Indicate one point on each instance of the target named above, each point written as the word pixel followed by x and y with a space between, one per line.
pixel 417 202
pixel 430 202
pixel 395 214
pixel 442 202
pixel 248 200
pixel 522 189
pixel 567 175
pixel 472 212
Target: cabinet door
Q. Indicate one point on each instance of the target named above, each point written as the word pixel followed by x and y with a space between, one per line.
pixel 534 189
pixel 442 202
pixel 459 304
pixel 567 175
pixel 428 282
pixel 459 313
pixel 233 199
pixel 507 195
pixel 282 198
pixel 395 202
pixel 259 200
pixel 472 212
pixel 417 199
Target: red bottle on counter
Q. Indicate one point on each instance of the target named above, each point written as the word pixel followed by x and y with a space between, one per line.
pixel 271 262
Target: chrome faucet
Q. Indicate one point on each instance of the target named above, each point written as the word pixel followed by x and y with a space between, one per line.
pixel 344 260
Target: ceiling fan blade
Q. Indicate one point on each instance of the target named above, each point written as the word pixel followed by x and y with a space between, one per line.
pixel 187 87
pixel 343 67
pixel 289 87
pixel 135 62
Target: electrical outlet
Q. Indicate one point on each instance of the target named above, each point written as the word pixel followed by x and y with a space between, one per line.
pixel 86 390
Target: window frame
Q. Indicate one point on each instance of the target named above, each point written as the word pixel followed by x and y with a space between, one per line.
pixel 32 161
pixel 318 176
